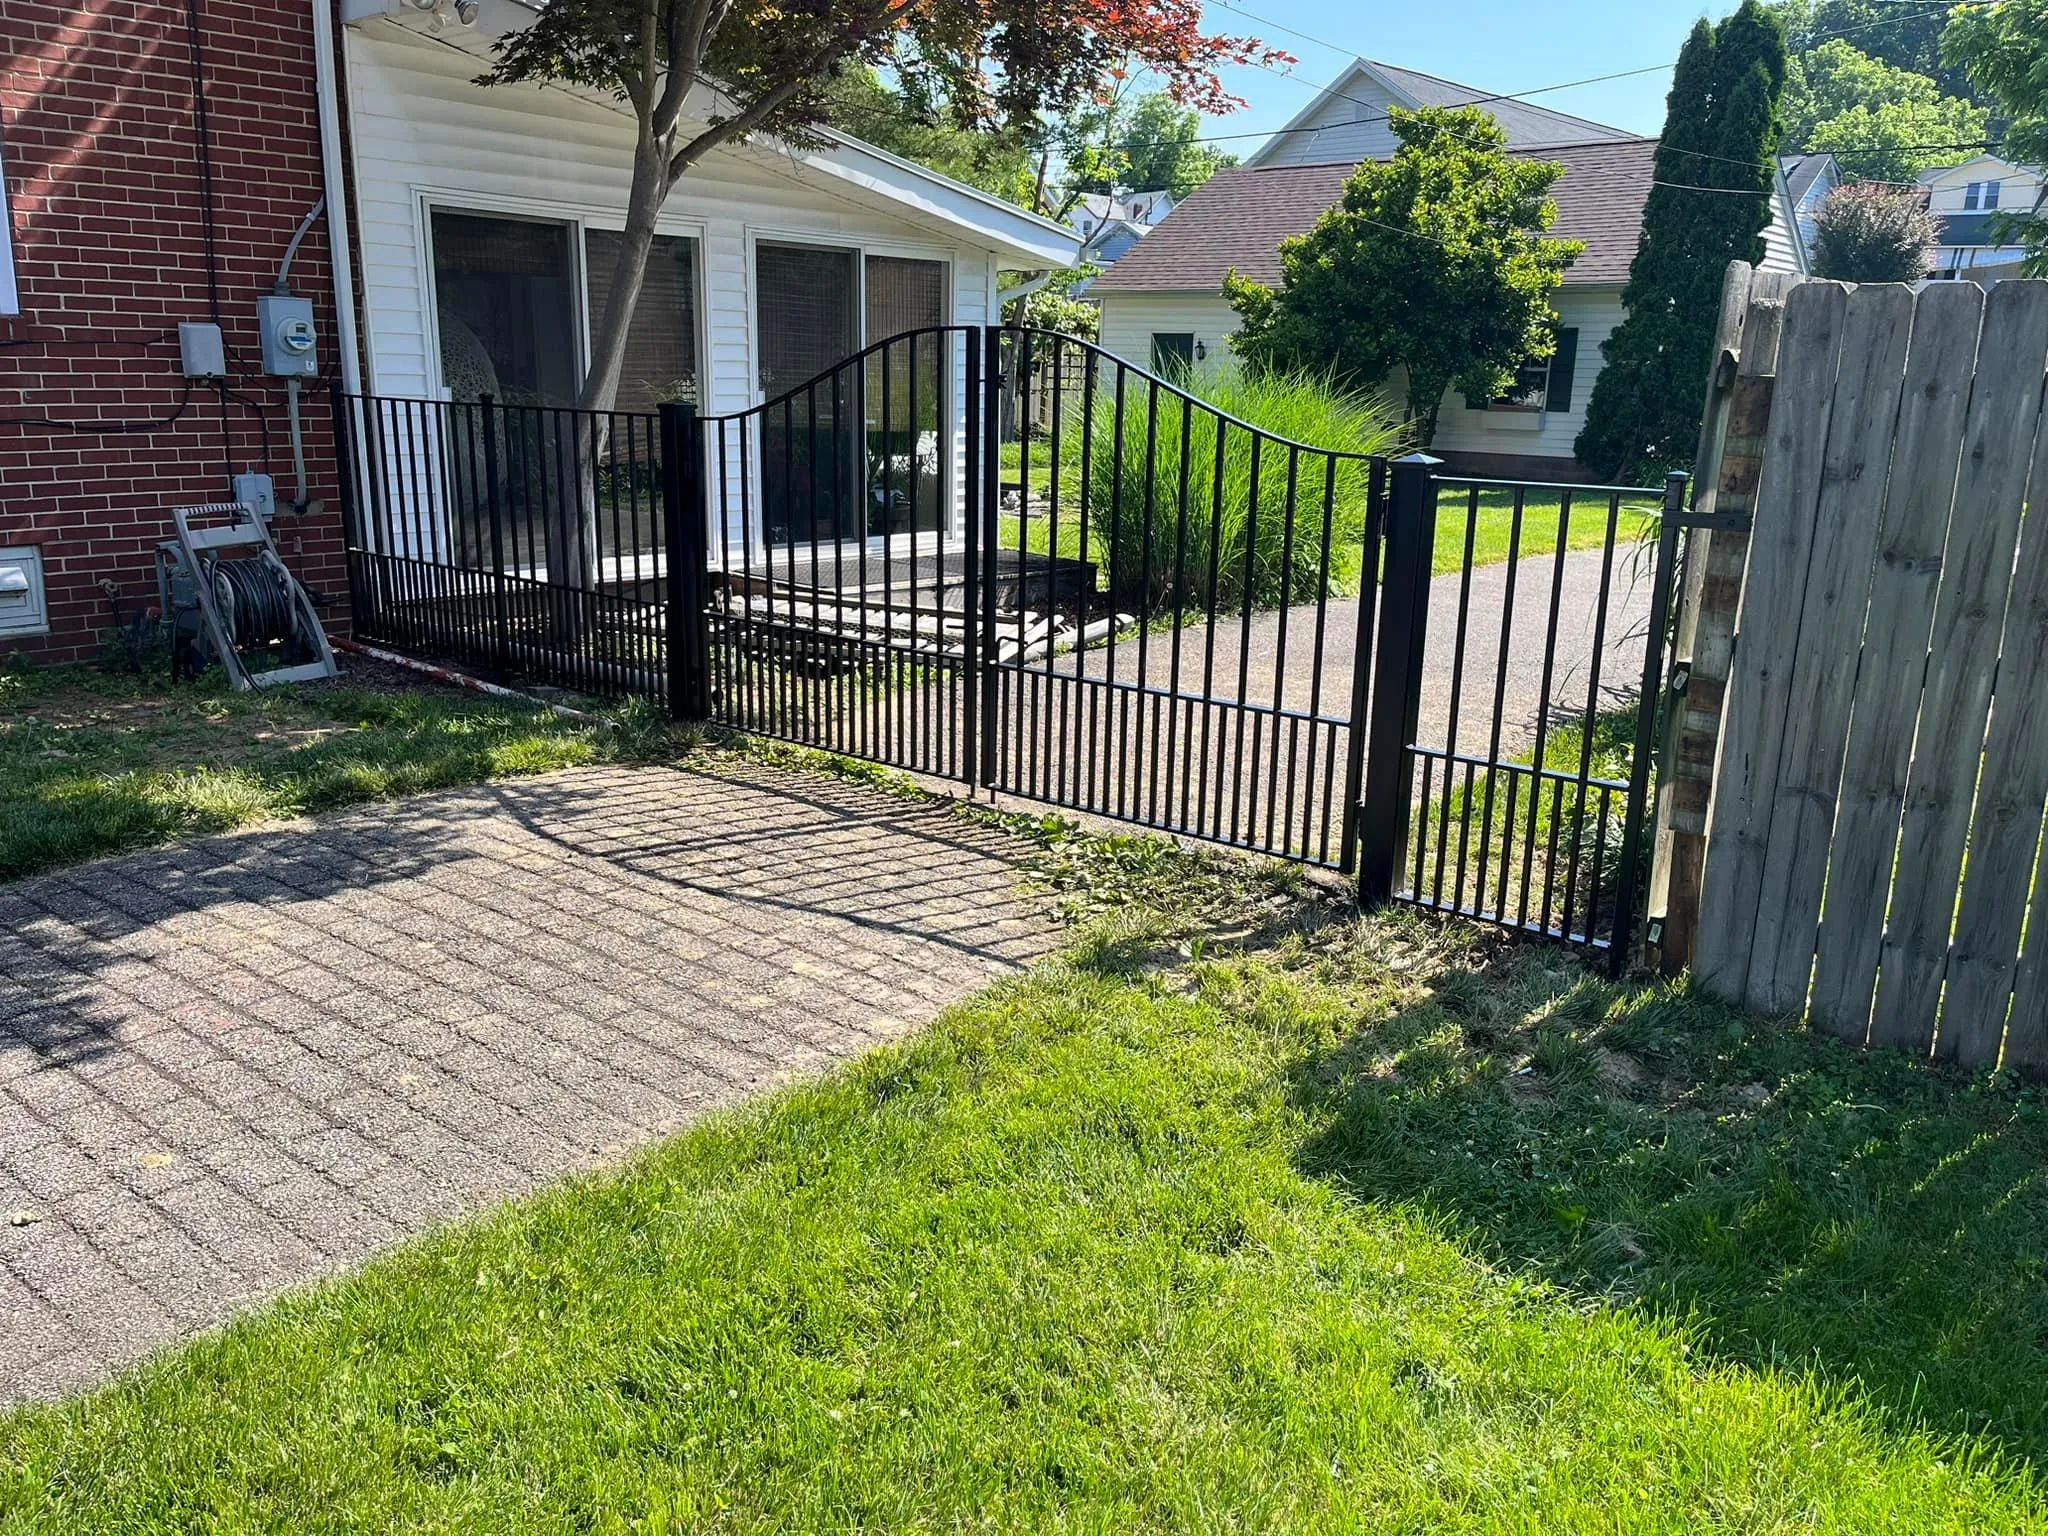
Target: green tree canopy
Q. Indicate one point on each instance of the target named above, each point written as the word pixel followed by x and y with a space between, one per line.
pixel 1715 171
pixel 2005 49
pixel 1905 34
pixel 905 121
pixel 1877 119
pixel 1146 145
pixel 1435 261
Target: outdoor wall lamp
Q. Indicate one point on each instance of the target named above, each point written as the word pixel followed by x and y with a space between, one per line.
pixel 1201 352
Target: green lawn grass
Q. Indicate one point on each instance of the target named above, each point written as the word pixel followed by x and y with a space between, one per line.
pixel 1384 1229
pixel 1493 533
pixel 94 761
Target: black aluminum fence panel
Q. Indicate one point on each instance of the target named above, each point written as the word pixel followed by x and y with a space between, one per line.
pixel 845 570
pixel 1098 592
pixel 525 541
pixel 1538 678
pixel 1216 581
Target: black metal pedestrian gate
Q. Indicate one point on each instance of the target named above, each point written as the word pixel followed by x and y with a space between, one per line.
pixel 1010 558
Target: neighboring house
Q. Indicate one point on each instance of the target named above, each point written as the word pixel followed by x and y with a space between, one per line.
pixel 1106 246
pixel 119 220
pixel 1808 181
pixel 1968 200
pixel 1095 209
pixel 1163 302
pixel 490 216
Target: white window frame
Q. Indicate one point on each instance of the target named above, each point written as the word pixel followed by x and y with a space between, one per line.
pixel 861 247
pixel 427 201
pixel 10 288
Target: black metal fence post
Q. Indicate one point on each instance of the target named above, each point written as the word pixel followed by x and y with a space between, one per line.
pixel 348 464
pixel 1361 664
pixel 686 532
pixel 1648 704
pixel 1386 807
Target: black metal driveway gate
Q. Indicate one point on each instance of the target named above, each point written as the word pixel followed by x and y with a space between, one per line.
pixel 1009 558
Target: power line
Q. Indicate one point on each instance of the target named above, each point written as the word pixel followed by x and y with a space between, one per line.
pixel 1380 115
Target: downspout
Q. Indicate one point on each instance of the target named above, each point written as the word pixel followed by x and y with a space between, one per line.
pixel 340 257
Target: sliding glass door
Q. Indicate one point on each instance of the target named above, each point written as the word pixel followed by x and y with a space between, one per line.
pixel 907 437
pixel 860 453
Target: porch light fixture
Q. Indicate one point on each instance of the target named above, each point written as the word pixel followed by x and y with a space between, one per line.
pixel 1201 352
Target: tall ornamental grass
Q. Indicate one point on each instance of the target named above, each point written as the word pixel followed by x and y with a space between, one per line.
pixel 1169 528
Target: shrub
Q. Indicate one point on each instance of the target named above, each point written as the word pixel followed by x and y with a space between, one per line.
pixel 1153 561
pixel 1867 232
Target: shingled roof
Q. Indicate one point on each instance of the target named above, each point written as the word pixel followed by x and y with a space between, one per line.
pixel 1239 217
pixel 1525 122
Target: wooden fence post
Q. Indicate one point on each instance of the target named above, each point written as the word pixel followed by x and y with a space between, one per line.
pixel 1724 481
pixel 1758 695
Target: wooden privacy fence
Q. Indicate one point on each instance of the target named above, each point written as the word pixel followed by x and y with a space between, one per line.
pixel 1873 834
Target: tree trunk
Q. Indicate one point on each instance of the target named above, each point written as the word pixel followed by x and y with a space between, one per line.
pixel 572 533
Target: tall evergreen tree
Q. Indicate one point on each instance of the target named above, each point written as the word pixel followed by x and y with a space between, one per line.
pixel 1715 169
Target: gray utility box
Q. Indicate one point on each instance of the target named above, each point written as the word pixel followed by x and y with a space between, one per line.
pixel 201 354
pixel 287 325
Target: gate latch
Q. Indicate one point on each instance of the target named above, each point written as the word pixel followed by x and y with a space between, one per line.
pixel 1681 675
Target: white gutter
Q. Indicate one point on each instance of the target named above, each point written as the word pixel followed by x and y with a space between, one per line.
pixel 1024 289
pixel 340 260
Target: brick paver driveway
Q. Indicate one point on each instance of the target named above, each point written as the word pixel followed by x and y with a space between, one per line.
pixel 233 1066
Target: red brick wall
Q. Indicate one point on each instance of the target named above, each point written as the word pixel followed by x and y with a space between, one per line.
pixel 97 136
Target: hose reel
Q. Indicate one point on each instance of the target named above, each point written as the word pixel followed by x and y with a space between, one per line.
pixel 228 597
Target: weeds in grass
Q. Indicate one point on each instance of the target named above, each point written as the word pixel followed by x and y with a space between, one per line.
pixel 93 762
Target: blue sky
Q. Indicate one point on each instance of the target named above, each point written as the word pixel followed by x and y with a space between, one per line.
pixel 1502 45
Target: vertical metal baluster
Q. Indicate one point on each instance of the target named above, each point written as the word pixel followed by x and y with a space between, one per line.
pixel 1043 719
pixel 1022 762
pixel 1592 716
pixel 1457 687
pixel 1247 769
pixel 1075 747
pixel 1500 691
pixel 1599 859
pixel 1111 705
pixel 923 689
pixel 1421 810
pixel 1564 514
pixel 1324 588
pixel 1210 712
pixel 1288 511
pixel 1179 812
pixel 1142 762
pixel 746 646
pixel 1557 783
pixel 1357 726
pixel 1653 689
pixel 865 692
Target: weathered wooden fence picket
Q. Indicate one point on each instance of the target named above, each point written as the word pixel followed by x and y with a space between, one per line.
pixel 1873 834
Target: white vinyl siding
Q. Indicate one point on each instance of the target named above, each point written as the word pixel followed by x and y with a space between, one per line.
pixel 1348 127
pixel 1595 312
pixel 426 135
pixel 1130 320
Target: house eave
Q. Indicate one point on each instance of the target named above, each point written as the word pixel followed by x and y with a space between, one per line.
pixel 1017 238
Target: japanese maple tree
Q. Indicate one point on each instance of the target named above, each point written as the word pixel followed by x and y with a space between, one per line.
pixel 698 74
